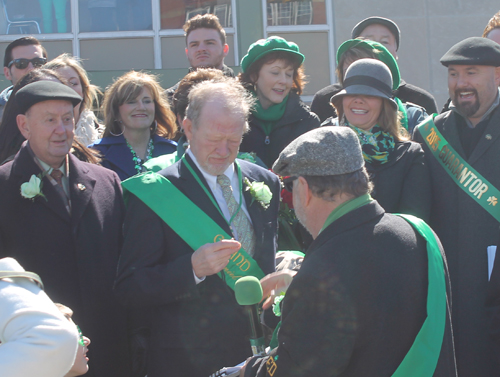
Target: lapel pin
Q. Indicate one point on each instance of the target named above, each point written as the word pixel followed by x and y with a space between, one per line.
pixel 81 187
pixel 488 137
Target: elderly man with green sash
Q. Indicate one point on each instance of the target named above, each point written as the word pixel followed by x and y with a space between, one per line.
pixel 462 148
pixel 371 296
pixel 191 231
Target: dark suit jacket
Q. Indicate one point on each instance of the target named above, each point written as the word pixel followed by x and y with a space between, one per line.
pixel 466 230
pixel 118 157
pixel 196 329
pixel 357 303
pixel 75 255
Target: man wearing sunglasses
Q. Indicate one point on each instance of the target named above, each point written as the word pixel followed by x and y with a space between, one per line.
pixel 21 56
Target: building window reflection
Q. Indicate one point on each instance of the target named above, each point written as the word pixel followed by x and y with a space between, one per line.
pixel 35 16
pixel 174 13
pixel 302 12
pixel 115 15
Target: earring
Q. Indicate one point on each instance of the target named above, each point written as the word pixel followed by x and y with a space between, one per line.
pixel 153 131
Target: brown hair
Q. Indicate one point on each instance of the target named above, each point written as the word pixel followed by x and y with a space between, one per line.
pixel 180 97
pixel 251 75
pixel 130 86
pixel 67 312
pixel 493 23
pixel 388 120
pixel 89 91
pixel 24 41
pixel 205 21
pixel 351 55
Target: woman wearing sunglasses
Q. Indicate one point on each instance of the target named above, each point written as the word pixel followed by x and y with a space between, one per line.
pixel 87 130
pixel 272 71
pixel 138 124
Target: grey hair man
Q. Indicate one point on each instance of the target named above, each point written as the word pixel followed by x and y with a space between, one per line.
pixel 197 326
pixel 363 267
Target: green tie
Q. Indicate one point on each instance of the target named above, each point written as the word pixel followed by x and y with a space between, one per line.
pixel 241 223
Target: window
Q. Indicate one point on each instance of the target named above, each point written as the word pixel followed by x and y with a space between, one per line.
pixel 174 13
pixel 302 12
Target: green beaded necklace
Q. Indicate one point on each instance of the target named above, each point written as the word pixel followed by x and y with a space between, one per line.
pixel 139 162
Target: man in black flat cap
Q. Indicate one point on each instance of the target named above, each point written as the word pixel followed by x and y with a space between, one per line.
pixel 462 149
pixel 387 33
pixel 362 293
pixel 62 219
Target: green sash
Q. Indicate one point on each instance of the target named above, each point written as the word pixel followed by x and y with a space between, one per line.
pixel 186 219
pixel 422 358
pixel 464 175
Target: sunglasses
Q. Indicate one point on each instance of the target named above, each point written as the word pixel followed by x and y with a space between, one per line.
pixel 23 63
pixel 288 183
pixel 80 341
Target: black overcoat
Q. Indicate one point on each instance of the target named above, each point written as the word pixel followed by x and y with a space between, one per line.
pixel 196 329
pixel 75 255
pixel 466 230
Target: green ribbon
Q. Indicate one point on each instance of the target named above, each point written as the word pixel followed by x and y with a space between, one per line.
pixel 422 358
pixel 464 175
pixel 190 223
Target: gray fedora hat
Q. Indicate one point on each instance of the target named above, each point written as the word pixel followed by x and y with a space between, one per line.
pixel 369 77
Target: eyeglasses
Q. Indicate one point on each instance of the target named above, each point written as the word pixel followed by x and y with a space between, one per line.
pixel 80 341
pixel 288 183
pixel 23 63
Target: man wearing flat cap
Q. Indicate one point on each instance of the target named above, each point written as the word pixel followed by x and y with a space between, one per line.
pixel 462 149
pixel 370 282
pixel 62 218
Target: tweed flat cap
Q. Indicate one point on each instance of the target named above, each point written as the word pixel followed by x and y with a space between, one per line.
pixel 330 150
pixel 389 24
pixel 473 51
pixel 44 90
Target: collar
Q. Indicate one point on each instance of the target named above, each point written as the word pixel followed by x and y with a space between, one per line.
pixel 64 168
pixel 345 208
pixel 211 179
pixel 493 106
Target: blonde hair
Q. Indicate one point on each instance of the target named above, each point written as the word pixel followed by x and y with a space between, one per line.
pixel 493 23
pixel 90 92
pixel 129 86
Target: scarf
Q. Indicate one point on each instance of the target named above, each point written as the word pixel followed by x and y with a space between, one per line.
pixel 377 145
pixel 269 116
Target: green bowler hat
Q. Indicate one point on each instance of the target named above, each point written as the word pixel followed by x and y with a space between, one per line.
pixel 381 52
pixel 265 46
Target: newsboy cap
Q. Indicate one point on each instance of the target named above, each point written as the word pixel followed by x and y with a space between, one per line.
pixel 44 90
pixel 389 24
pixel 329 150
pixel 473 51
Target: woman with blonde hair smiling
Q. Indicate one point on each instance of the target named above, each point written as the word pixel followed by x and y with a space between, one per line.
pixel 138 123
pixel 87 130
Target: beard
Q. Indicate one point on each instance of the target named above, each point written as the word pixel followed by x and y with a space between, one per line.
pixel 468 108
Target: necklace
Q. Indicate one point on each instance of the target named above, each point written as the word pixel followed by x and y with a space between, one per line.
pixel 139 162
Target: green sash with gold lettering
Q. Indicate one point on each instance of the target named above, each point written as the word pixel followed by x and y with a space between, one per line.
pixel 190 223
pixel 464 175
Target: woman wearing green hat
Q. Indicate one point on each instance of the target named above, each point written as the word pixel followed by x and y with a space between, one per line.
pixel 272 71
pixel 355 49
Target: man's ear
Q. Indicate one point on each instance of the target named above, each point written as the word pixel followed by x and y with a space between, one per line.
pixel 225 49
pixel 6 72
pixel 497 76
pixel 22 124
pixel 187 125
pixel 186 51
pixel 305 192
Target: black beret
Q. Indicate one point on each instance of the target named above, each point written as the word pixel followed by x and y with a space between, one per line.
pixel 44 90
pixel 389 24
pixel 473 51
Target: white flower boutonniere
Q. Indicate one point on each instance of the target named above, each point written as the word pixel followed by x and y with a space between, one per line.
pixel 260 192
pixel 33 188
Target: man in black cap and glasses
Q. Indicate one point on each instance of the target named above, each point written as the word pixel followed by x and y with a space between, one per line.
pixel 21 56
pixel 462 150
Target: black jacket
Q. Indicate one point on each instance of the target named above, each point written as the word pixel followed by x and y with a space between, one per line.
pixel 357 303
pixel 466 230
pixel 296 121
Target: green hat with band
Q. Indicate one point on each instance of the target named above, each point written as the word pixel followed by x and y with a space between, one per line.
pixel 381 53
pixel 265 46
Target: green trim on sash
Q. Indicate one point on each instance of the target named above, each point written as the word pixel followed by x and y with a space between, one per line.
pixel 464 175
pixel 422 358
pixel 190 223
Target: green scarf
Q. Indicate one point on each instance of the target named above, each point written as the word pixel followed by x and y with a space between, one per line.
pixel 269 116
pixel 377 145
pixel 345 208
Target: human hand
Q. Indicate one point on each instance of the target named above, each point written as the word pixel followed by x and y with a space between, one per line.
pixel 211 258
pixel 274 284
